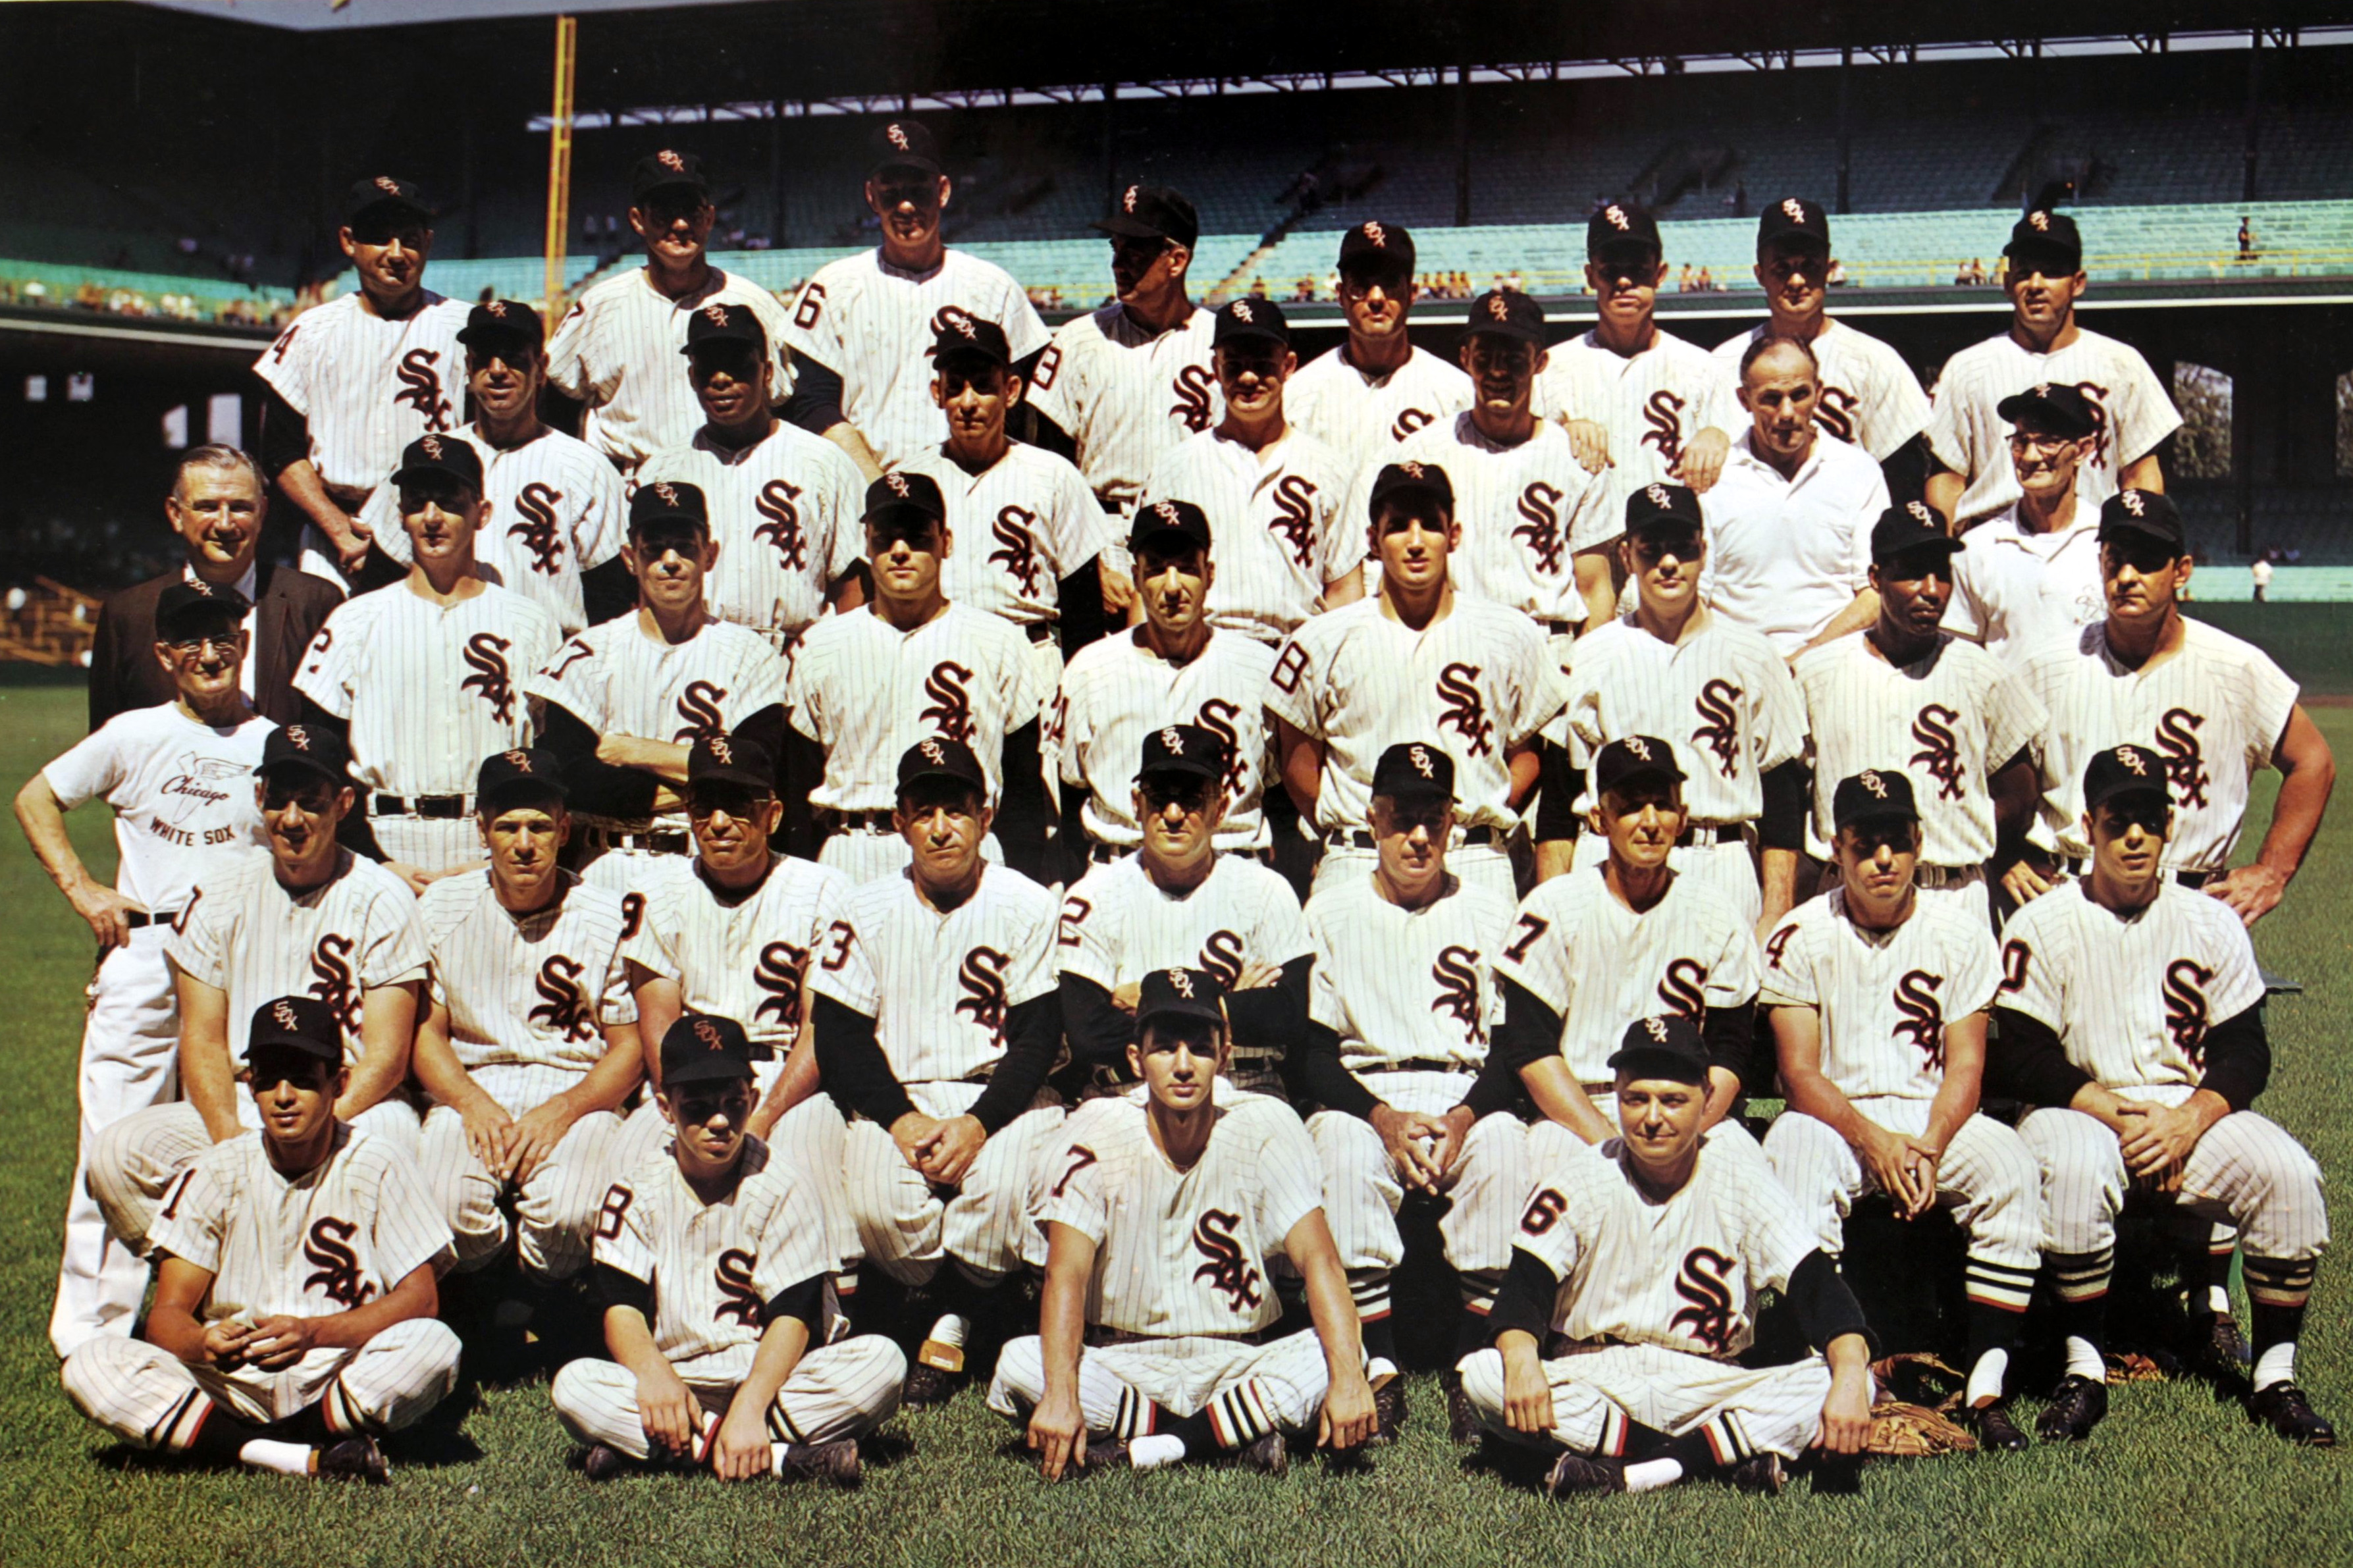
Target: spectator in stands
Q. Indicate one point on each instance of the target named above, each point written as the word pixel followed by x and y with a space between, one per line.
pixel 1377 388
pixel 217 505
pixel 1303 291
pixel 1684 279
pixel 2032 572
pixel 2246 244
pixel 2262 573
pixel 88 297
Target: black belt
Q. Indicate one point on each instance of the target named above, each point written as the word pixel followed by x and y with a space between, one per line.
pixel 667 841
pixel 135 919
pixel 1415 1064
pixel 1039 631
pixel 1935 878
pixel 862 822
pixel 446 808
pixel 1559 628
pixel 1707 833
pixel 2191 879
pixel 1357 838
pixel 1099 1337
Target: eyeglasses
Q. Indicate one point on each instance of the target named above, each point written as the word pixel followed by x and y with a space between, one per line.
pixel 2041 446
pixel 189 646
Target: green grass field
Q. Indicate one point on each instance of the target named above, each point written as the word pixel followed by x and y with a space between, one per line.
pixel 2173 1477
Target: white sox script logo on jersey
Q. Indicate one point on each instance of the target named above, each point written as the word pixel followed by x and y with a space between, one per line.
pixel 1191 390
pixel 486 655
pixel 1456 974
pixel 2185 1007
pixel 1540 507
pixel 1228 1271
pixel 2185 759
pixel 1940 751
pixel 1465 712
pixel 698 706
pixel 1409 420
pixel 563 1006
pixel 334 984
pixel 1700 1282
pixel 420 387
pixel 335 1267
pixel 1217 716
pixel 1924 1016
pixel 537 529
pixel 782 528
pixel 1681 992
pixel 1834 408
pixel 982 976
pixel 2097 397
pixel 950 712
pixel 1221 955
pixel 1663 412
pixel 778 976
pixel 1719 724
pixel 1016 546
pixel 1294 520
pixel 739 1300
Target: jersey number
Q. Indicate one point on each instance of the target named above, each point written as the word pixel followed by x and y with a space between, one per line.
pixel 574 652
pixel 1543 1212
pixel 812 305
pixel 618 1199
pixel 840 956
pixel 1080 1158
pixel 170 1209
pixel 2015 960
pixel 1075 911
pixel 633 914
pixel 1531 928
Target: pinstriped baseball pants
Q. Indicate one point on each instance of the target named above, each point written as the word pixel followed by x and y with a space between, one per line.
pixel 2247 1169
pixel 1119 1384
pixel 836 1391
pixel 1597 1391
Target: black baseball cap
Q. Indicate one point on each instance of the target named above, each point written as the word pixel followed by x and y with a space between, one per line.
pixel 668 500
pixel 957 334
pixel 1664 506
pixel 1410 478
pixel 703 1048
pixel 1179 994
pixel 2046 236
pixel 432 455
pixel 1415 770
pixel 1157 523
pixel 502 320
pixel 1184 749
pixel 1915 525
pixel 1667 1046
pixel 1797 222
pixel 903 144
pixel 2054 405
pixel 1506 313
pixel 732 760
pixel 508 779
pixel 384 191
pixel 666 170
pixel 903 495
pixel 197 604
pixel 1874 794
pixel 1153 212
pixel 321 751
pixel 2147 513
pixel 1250 319
pixel 301 1023
pixel 721 322
pixel 1381 249
pixel 938 757
pixel 1634 757
pixel 2124 769
pixel 1621 228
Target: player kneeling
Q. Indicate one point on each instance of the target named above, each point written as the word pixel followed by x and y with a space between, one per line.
pixel 1156 1328
pixel 1647 1256
pixel 293 1317
pixel 713 1263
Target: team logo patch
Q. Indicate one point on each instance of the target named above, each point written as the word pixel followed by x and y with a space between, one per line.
pixel 2185 1007
pixel 2185 757
pixel 1180 982
pixel 335 1265
pixel 334 981
pixel 698 705
pixel 781 523
pixel 1017 547
pixel 722 750
pixel 497 307
pixel 1294 517
pixel 1221 955
pixel 1499 308
pixel 298 737
pixel 518 761
pixel 432 445
pixel 898 483
pixel 1167 513
pixel 1412 471
pixel 1794 209
pixel 2134 760
pixel 1423 764
pixel 1921 514
pixel 284 1012
pixel 982 978
pixel 1191 390
pixel 738 1298
pixel 1465 710
pixel 537 531
pixel 1924 1016
pixel 949 711
pixel 1663 412
pixel 1719 726
pixel 1702 1282
pixel 957 320
pixel 1127 202
pixel 1539 529
pixel 1241 307
pixel 2040 221
pixel 1869 778
pixel 486 654
pixel 1218 716
pixel 1172 740
pixel 778 976
pixel 670 161
pixel 1940 749
pixel 933 753
pixel 201 586
pixel 1658 494
pixel 1228 1271
pixel 1376 236
pixel 708 1033
pixel 715 314
pixel 1456 974
pixel 387 185
pixel 668 492
pixel 896 136
pixel 1616 217
pixel 563 1006
pixel 420 388
pixel 1638 746
pixel 1684 991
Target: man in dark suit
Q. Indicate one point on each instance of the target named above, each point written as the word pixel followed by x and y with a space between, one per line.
pixel 217 505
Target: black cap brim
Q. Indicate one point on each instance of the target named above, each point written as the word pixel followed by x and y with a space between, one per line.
pixel 906 162
pixel 1126 228
pixel 899 511
pixel 1165 538
pixel 1189 766
pixel 708 1066
pixel 1645 1061
pixel 737 776
pixel 1194 1008
pixel 278 1043
pixel 1946 546
pixel 414 471
pixel 302 764
pixel 497 801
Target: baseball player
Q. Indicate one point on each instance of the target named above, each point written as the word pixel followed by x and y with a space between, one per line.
pixel 1177 901
pixel 2216 709
pixel 309 917
pixel 1720 697
pixel 1640 403
pixel 529 1045
pixel 1878 1004
pixel 557 513
pixel 713 1262
pixel 2029 574
pixel 784 503
pixel 1533 534
pixel 868 684
pixel 1376 389
pixel 353 381
pixel 624 700
pixel 1157 1327
pixel 2131 1017
pixel 175 775
pixel 1647 1260
pixel 936 1022
pixel 616 351
pixel 2044 344
pixel 293 1322
pixel 1869 396
pixel 861 327
pixel 1274 495
pixel 1968 733
pixel 428 673
pixel 1124 384
pixel 1174 667
pixel 1417 661
pixel 1403 1006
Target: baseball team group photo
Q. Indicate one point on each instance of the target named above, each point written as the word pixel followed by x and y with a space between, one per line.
pixel 1495 785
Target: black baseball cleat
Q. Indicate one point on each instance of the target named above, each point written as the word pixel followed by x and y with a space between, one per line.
pixel 603 1463
pixel 2217 1349
pixel 1462 1423
pixel 1270 1455
pixel 359 1460
pixel 1996 1432
pixel 2076 1407
pixel 1107 1454
pixel 1575 1475
pixel 833 1462
pixel 2284 1409
pixel 929 1385
pixel 1388 1409
pixel 1764 1473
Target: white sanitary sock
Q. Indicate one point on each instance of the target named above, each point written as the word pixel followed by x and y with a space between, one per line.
pixel 269 1454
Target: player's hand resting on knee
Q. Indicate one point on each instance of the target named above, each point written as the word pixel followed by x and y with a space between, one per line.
pixel 278 1342
pixel 226 1343
pixel 913 1132
pixel 667 1410
pixel 486 1122
pixel 1406 1137
pixel 952 1147
pixel 740 1450
pixel 1058 1433
pixel 533 1136
pixel 1894 1162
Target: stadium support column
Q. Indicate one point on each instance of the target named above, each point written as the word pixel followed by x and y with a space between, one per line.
pixel 1845 133
pixel 776 175
pixel 1461 146
pixel 1110 145
pixel 559 162
pixel 2254 107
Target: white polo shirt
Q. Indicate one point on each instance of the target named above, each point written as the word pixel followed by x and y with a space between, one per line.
pixel 2014 591
pixel 1784 556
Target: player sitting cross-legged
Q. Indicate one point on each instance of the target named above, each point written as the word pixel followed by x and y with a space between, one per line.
pixel 713 1261
pixel 293 1320
pixel 1157 1331
pixel 1642 1263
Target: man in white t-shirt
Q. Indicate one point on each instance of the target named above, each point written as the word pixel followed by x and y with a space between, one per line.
pixel 2031 572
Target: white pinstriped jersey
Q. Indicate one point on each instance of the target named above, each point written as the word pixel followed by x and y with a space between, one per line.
pixel 1118 925
pixel 367 386
pixel 938 985
pixel 1116 692
pixel 621 350
pixel 1722 698
pixel 1021 526
pixel 1578 949
pixel 2015 592
pixel 2214 710
pixel 1474 683
pixel 866 692
pixel 1361 417
pixel 1885 997
pixel 556 510
pixel 244 933
pixel 1650 406
pixel 1869 394
pixel 788 514
pixel 1683 1274
pixel 1276 529
pixel 2130 996
pixel 1183 1252
pixel 713 1267
pixel 1970 438
pixel 1127 394
pixel 1398 985
pixel 429 690
pixel 1947 720
pixel 182 792
pixel 872 324
pixel 1525 512
pixel 535 990
pixel 740 956
pixel 326 1241
pixel 1786 555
